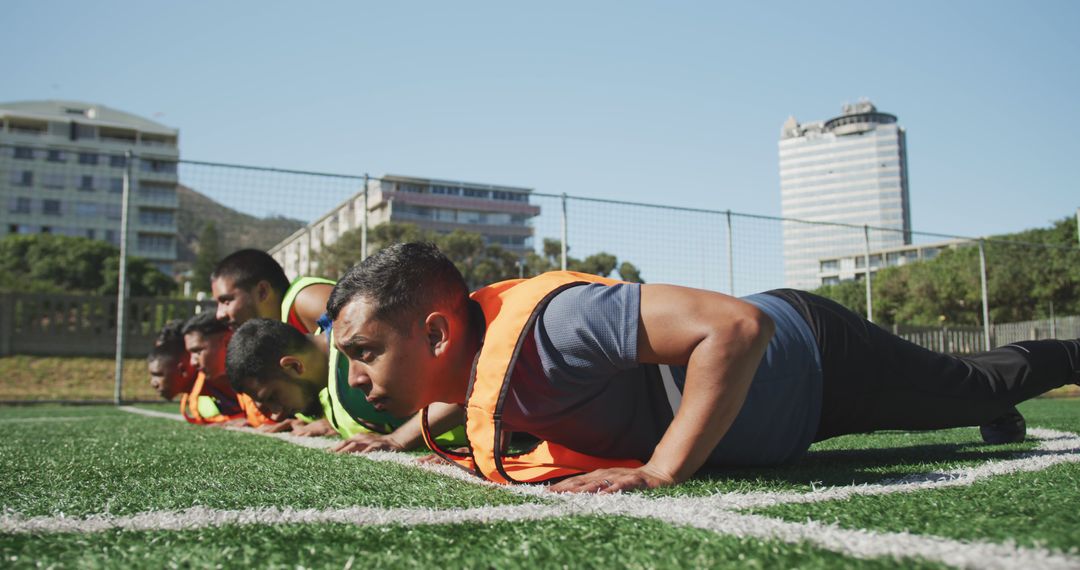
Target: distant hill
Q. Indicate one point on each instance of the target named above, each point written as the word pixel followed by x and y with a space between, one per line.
pixel 237 230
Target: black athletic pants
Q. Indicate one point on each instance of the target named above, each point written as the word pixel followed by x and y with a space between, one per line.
pixel 874 380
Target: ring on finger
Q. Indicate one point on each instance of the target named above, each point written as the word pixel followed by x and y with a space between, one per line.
pixel 607 482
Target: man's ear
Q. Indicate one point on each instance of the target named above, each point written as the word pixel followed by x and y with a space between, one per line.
pixel 263 291
pixel 437 329
pixel 292 365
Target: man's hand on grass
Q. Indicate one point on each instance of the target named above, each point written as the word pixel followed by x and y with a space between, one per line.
pixel 316 428
pixel 278 427
pixel 613 480
pixel 238 422
pixel 365 442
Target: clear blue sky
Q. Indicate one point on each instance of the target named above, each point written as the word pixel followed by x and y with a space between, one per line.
pixel 677 102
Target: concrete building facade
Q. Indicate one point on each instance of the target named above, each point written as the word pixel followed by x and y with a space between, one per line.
pixel 62 165
pixel 500 214
pixel 853 267
pixel 850 169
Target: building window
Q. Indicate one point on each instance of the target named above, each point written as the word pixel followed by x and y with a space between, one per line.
pixel 474 193
pixel 116 185
pixel 117 160
pixel 155 243
pixel 50 207
pixel 160 166
pixel 87 210
pixel 56 156
pixel 22 177
pixel 88 158
pixel 157 192
pixel 90 233
pixel 830 265
pixel 111 237
pixel 81 131
pixel 151 217
pixel 86 183
pixel 54 180
pixel 113 211
pixel 19 205
pixel 24 152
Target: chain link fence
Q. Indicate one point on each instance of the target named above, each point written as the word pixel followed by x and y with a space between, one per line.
pixel 179 208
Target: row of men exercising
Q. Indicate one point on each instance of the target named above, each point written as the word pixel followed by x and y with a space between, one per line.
pixel 288 337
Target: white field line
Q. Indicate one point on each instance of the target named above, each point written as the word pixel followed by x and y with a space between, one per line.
pixel 152 413
pixel 200 517
pixel 713 513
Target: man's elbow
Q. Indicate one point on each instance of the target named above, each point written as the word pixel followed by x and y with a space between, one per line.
pixel 755 327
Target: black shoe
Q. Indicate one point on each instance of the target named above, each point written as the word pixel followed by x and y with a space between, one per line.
pixel 1009 428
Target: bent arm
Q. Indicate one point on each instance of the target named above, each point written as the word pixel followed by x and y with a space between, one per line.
pixel 720 340
pixel 442 417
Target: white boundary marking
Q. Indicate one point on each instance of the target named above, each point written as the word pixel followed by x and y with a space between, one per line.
pixel 715 513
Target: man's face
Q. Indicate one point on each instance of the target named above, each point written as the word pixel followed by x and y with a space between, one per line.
pixel 169 377
pixel 396 370
pixel 282 398
pixel 208 352
pixel 235 305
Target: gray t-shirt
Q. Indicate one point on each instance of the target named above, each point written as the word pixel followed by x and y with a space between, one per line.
pixel 578 383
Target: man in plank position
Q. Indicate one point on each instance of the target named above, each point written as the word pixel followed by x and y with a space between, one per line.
pixel 638 386
pixel 249 284
pixel 289 373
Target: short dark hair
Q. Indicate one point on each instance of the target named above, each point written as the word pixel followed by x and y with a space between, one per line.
pixel 257 346
pixel 205 323
pixel 247 267
pixel 402 281
pixel 165 352
pixel 171 334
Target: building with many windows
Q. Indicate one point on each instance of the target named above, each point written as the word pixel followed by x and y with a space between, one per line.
pixel 62 167
pixel 851 169
pixel 500 214
pixel 853 267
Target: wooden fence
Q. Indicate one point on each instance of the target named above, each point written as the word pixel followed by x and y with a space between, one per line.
pixel 79 325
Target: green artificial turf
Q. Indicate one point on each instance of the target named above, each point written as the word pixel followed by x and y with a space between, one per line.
pixel 98 460
pixel 1040 508
pixel 573 542
pixel 855 460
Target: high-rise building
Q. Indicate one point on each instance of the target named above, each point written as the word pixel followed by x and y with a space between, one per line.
pixel 851 169
pixel 62 165
pixel 500 214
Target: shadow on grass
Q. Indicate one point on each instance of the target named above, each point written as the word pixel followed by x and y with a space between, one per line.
pixel 859 466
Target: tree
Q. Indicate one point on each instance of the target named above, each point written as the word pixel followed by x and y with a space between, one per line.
pixel 209 255
pixel 479 264
pixel 48 263
pixel 1026 272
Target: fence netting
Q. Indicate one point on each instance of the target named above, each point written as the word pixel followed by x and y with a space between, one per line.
pixel 179 209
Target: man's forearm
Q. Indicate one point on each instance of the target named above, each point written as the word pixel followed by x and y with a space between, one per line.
pixel 441 417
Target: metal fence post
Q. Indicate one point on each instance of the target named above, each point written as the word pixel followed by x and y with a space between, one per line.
pixel 985 300
pixel 564 224
pixel 122 286
pixel 869 297
pixel 364 223
pixel 730 256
